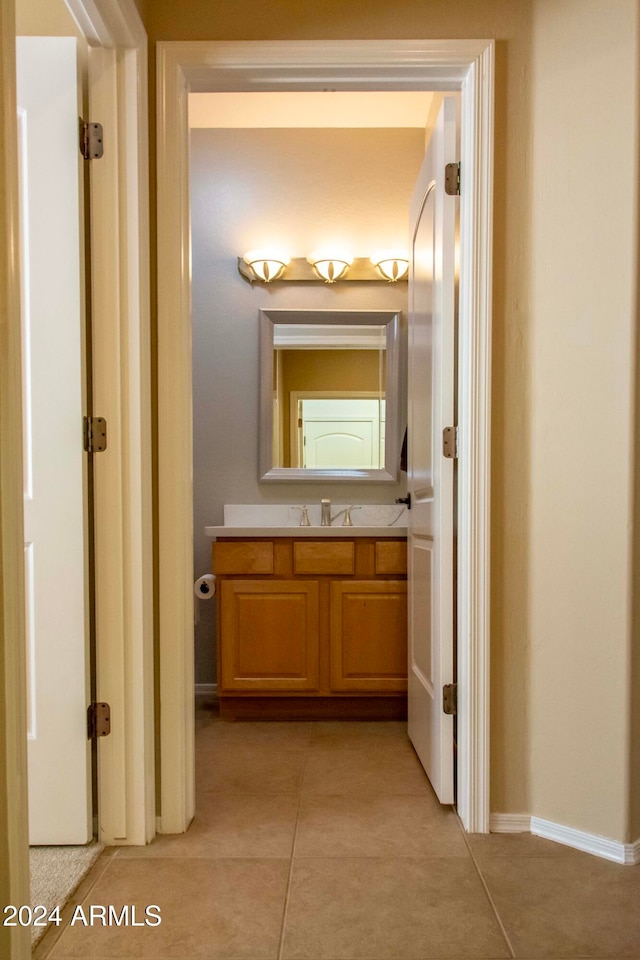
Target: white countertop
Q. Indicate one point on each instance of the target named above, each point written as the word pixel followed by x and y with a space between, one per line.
pixel 317 532
pixel 283 520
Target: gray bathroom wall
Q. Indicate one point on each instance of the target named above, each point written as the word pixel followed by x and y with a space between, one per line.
pixel 298 190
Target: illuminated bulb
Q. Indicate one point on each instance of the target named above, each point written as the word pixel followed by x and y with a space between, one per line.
pixel 266 265
pixel 392 264
pixel 330 267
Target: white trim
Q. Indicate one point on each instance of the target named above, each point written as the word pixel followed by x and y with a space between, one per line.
pixel 205 689
pixel 175 454
pixel 474 435
pixel 510 823
pixel 109 23
pixel 465 65
pixel 626 853
pixel 122 394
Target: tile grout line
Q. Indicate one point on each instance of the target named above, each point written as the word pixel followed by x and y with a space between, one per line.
pixel 43 950
pixel 486 890
pixel 293 851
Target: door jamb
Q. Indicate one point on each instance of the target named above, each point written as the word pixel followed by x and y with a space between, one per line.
pixel 463 65
pixel 122 394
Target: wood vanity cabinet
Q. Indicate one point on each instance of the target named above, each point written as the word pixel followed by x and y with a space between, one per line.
pixel 311 628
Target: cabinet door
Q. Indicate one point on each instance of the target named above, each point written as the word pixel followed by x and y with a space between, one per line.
pixel 369 635
pixel 269 639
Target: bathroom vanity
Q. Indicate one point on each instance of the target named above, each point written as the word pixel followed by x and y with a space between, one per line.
pixel 312 622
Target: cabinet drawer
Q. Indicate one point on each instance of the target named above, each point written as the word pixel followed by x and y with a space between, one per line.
pixel 391 557
pixel 244 557
pixel 323 557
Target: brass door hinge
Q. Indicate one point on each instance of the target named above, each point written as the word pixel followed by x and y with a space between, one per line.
pixel 450 699
pixel 450 443
pixel 98 720
pixel 95 434
pixel 91 140
pixel 452 179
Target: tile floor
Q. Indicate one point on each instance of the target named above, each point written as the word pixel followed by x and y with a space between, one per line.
pixel 324 841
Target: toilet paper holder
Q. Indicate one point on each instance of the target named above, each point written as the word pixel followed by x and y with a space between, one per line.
pixel 205 586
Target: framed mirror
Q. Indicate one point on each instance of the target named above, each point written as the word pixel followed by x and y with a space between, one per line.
pixel 329 404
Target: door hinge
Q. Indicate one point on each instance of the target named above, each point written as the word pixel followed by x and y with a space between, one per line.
pixel 95 434
pixel 98 720
pixel 452 179
pixel 406 500
pixel 450 443
pixel 450 699
pixel 91 140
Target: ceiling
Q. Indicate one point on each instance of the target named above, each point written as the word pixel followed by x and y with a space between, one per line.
pixel 368 109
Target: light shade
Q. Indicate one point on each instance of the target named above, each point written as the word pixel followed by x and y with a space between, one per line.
pixel 266 265
pixel 391 264
pixel 330 267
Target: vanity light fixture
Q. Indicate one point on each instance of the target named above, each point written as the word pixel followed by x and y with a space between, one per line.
pixel 330 267
pixel 266 265
pixel 393 265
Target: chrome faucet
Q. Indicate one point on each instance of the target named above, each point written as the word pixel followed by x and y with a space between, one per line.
pixel 326 513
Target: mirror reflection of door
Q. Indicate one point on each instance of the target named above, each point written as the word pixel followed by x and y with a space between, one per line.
pixel 338 431
pixel 323 381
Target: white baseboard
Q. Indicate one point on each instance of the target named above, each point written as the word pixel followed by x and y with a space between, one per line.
pixel 627 853
pixel 205 689
pixel 509 823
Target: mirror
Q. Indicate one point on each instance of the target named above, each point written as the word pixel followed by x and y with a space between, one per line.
pixel 329 395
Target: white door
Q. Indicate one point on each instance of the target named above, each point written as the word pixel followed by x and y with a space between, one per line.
pixel 54 494
pixel 430 475
pixel 341 433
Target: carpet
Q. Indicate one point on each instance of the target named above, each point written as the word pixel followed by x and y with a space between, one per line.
pixel 55 872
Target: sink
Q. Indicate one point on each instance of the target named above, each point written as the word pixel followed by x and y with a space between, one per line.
pixel 282 520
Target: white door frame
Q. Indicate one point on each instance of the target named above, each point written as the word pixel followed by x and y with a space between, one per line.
pixel 122 394
pixel 464 65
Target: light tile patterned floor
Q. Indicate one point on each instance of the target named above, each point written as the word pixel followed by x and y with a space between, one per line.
pixel 324 841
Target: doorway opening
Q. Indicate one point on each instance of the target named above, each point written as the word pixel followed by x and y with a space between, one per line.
pixel 301 166
pixel 464 66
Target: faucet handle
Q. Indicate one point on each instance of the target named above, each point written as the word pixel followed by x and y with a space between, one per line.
pixel 304 515
pixel 347 522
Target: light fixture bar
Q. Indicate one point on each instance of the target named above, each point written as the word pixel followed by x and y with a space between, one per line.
pixel 299 271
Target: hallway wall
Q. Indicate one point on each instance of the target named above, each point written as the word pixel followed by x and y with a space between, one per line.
pixel 564 308
pixel 583 373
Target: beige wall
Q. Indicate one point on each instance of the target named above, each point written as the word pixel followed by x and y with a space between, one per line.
pixel 562 370
pixel 583 273
pixel 51 19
